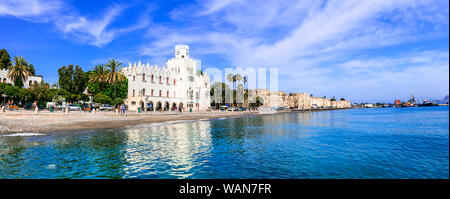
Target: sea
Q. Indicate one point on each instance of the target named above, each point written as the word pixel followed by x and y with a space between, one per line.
pixel 370 143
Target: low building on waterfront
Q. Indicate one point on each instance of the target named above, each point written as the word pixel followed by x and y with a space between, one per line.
pixel 26 84
pixel 297 100
pixel 179 84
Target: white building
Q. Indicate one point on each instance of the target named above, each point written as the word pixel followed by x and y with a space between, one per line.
pixel 179 84
pixel 26 84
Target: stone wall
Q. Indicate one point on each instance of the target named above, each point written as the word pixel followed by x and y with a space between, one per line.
pixel 297 100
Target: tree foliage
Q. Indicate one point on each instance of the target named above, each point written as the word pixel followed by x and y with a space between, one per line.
pixel 19 71
pixel 104 99
pixel 72 79
pixel 5 59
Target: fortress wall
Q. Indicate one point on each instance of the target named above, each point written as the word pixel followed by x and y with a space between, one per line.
pixel 297 100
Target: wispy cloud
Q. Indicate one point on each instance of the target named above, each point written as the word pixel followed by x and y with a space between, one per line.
pixel 306 39
pixel 94 30
pixel 28 8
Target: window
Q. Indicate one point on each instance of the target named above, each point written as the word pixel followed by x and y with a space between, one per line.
pixel 152 79
pixel 160 93
pixel 167 93
pixel 174 94
pixel 152 92
pixel 160 79
pixel 174 81
pixel 167 80
pixel 133 92
pixel 134 78
pixel 133 103
pixel 4 80
pixel 29 83
pixel 143 76
pixel 143 91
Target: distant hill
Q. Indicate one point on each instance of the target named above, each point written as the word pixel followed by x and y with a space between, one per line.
pixel 442 101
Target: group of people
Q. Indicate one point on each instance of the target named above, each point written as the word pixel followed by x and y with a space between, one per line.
pixel 123 108
pixel 10 105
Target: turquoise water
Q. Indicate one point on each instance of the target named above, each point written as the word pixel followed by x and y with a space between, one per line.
pixel 357 143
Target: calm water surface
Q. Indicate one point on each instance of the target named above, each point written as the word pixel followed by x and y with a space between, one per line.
pixel 358 143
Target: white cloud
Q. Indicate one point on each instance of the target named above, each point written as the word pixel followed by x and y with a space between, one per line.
pixel 96 31
pixel 28 8
pixel 307 39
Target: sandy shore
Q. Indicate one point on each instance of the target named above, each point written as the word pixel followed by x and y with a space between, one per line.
pixel 27 121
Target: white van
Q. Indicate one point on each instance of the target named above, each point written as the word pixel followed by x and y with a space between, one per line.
pixel 54 104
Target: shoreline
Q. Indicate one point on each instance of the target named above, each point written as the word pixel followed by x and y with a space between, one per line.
pixel 46 122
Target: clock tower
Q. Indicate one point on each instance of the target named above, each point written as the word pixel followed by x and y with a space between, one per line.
pixel 181 51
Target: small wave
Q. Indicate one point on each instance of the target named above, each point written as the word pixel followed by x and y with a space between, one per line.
pixel 23 134
pixel 51 166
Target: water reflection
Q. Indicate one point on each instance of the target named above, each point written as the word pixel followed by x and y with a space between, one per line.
pixel 171 150
pixel 332 144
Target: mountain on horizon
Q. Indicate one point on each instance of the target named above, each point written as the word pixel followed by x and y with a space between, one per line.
pixel 442 101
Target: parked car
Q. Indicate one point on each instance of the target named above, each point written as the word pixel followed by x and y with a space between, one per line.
pixel 106 107
pixel 28 106
pixel 74 107
pixel 87 107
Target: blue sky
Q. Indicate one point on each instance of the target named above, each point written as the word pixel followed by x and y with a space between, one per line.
pixel 365 51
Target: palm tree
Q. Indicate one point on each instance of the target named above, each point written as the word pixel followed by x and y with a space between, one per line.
pixel 98 74
pixel 114 75
pixel 245 80
pixel 19 71
pixel 234 78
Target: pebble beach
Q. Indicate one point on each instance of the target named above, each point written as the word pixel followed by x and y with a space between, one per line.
pixel 28 121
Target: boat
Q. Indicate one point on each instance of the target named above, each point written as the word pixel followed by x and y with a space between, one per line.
pixel 428 103
pixel 411 102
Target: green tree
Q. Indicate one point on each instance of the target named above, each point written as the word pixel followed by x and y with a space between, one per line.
pixel 98 75
pixel 114 75
pixel 72 79
pixel 101 98
pixel 5 59
pixel 117 101
pixel 108 89
pixel 219 98
pixel 19 72
pixel 234 78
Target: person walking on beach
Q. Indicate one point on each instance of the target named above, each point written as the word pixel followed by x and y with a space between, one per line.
pixel 122 108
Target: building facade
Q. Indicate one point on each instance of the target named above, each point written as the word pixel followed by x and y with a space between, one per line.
pixel 26 84
pixel 179 84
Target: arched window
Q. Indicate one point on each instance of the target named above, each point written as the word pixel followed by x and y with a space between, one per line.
pixel 143 91
pixel 133 92
pixel 152 92
pixel 167 93
pixel 152 79
pixel 167 81
pixel 160 93
pixel 143 76
pixel 30 83
pixel 134 78
pixel 160 79
pixel 4 80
